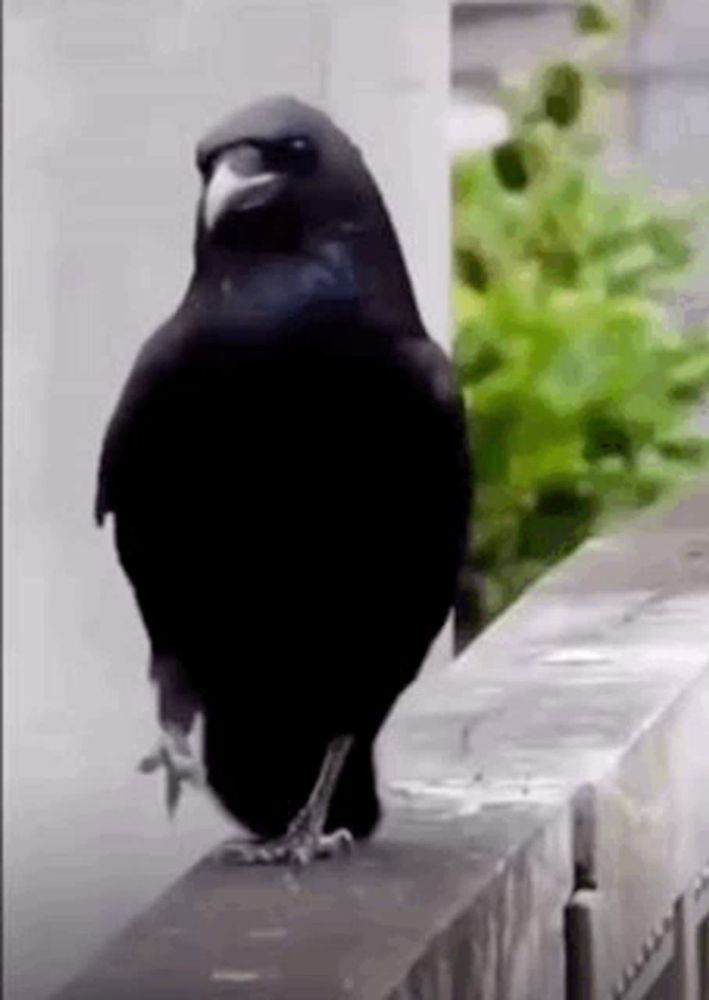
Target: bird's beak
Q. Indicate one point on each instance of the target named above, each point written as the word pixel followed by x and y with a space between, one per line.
pixel 229 189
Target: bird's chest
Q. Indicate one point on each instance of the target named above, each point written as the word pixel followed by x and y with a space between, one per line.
pixel 244 423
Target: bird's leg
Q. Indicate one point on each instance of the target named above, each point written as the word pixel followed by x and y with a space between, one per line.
pixel 304 840
pixel 173 752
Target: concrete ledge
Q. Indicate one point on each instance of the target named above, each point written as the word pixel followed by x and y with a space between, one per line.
pixel 411 915
pixel 567 749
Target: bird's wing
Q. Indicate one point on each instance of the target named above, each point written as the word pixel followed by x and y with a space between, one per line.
pixel 435 376
pixel 420 512
pixel 146 382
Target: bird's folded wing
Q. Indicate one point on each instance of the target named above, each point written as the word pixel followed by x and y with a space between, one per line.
pixel 147 381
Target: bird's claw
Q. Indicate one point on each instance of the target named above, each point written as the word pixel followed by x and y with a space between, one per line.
pixel 181 768
pixel 186 768
pixel 299 848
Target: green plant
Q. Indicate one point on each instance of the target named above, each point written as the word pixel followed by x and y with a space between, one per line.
pixel 579 389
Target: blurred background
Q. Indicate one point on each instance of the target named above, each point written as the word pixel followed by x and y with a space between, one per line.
pixel 104 102
pixel 657 68
pixel 580 135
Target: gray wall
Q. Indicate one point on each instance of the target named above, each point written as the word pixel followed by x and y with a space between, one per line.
pixel 105 99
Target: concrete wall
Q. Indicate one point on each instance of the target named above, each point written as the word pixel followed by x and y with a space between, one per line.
pixel 105 99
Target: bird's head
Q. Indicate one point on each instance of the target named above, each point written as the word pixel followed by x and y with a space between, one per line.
pixel 280 178
pixel 277 173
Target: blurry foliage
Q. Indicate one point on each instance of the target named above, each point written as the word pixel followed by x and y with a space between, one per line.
pixel 579 390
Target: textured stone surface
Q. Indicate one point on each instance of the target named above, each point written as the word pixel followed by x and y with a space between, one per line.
pixel 570 740
pixel 417 913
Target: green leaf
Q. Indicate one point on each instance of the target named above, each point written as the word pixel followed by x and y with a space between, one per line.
pixel 594 19
pixel 510 166
pixel 562 94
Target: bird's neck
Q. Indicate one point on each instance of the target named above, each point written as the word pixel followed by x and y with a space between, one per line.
pixel 363 262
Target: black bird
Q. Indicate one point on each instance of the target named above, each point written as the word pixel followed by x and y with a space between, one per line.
pixel 289 479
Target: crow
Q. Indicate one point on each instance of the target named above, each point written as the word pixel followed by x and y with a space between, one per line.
pixel 290 486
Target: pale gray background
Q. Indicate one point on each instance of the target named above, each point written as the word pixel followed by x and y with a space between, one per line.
pixel 104 101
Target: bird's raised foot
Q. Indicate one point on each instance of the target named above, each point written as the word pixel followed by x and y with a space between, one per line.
pixel 181 767
pixel 299 847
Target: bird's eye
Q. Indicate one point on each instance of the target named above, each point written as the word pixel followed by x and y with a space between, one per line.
pixel 299 155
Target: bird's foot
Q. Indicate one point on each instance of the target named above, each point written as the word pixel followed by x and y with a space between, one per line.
pixel 305 839
pixel 299 847
pixel 181 767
